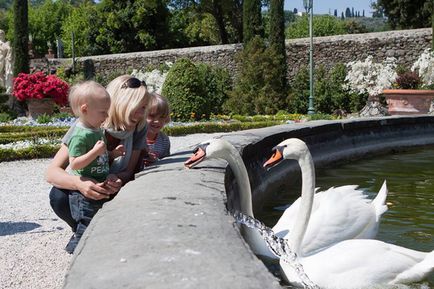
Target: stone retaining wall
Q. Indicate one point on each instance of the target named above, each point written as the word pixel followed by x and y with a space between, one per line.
pixel 405 45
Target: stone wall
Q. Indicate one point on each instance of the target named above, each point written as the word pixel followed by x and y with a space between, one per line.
pixel 405 45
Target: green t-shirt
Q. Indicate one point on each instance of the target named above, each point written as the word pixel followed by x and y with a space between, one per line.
pixel 83 140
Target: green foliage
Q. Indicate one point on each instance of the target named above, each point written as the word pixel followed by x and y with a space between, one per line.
pixel 83 21
pixel 258 86
pixel 217 82
pixel 329 94
pixel 38 151
pixel 202 30
pixel 320 116
pixel 207 127
pixel 5 117
pixel 45 23
pixel 195 91
pixel 277 40
pixel 299 92
pixel 323 25
pixel 20 36
pixel 354 27
pixel 133 25
pixel 43 118
pixel 403 14
pixel 13 136
pixel 252 20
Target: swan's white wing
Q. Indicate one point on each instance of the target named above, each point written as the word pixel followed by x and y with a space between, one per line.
pixel 362 263
pixel 338 214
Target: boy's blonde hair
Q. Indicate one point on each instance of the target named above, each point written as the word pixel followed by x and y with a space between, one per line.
pixel 159 105
pixel 81 93
pixel 124 101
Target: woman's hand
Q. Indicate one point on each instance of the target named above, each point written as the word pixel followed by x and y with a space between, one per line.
pixel 113 183
pixel 91 189
pixel 98 191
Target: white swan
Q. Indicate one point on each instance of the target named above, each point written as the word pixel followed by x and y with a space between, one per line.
pixel 340 214
pixel 348 264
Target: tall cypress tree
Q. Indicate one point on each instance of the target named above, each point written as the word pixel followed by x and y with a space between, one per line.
pixel 21 36
pixel 252 20
pixel 277 39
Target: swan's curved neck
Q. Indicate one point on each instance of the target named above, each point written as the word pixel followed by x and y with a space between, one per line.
pixel 239 169
pixel 307 194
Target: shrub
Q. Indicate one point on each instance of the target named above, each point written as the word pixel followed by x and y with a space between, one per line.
pixel 258 86
pixel 299 92
pixel 195 91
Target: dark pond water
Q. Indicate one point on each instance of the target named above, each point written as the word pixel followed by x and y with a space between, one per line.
pixel 409 222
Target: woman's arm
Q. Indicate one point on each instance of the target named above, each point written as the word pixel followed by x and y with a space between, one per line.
pixel 128 174
pixel 58 177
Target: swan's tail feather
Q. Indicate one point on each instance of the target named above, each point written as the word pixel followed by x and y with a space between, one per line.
pixel 418 272
pixel 380 201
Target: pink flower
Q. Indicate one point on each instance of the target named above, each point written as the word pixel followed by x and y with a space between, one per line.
pixel 38 85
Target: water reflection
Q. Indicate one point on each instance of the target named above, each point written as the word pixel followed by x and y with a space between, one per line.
pixel 409 222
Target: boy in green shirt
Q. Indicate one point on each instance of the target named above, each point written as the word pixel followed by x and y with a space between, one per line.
pixel 88 156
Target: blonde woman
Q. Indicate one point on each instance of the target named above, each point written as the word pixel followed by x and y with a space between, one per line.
pixel 125 131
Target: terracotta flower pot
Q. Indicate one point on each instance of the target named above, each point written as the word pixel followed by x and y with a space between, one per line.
pixel 38 107
pixel 408 101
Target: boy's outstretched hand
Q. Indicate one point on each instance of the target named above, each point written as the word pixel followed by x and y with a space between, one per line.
pixel 118 152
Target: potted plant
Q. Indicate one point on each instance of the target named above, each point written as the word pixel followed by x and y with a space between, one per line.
pixel 407 95
pixel 41 92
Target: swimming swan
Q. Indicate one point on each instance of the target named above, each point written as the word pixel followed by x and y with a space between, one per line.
pixel 348 264
pixel 351 214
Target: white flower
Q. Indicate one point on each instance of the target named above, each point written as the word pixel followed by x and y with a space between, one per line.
pixel 424 65
pixel 369 77
pixel 154 79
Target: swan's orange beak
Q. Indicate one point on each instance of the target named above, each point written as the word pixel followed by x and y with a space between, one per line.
pixel 198 156
pixel 274 159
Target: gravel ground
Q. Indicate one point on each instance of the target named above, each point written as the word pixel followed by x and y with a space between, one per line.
pixel 32 237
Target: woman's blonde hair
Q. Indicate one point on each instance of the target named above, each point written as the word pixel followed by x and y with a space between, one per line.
pixel 83 92
pixel 159 105
pixel 125 100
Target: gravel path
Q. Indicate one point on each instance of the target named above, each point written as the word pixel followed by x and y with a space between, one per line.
pixel 32 237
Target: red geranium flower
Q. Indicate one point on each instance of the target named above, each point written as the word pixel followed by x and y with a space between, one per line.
pixel 38 85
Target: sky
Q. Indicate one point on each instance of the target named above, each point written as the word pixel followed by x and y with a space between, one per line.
pixel 324 6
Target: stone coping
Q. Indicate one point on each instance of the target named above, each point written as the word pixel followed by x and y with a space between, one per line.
pixel 170 227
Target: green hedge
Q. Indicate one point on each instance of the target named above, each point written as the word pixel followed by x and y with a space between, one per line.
pixel 26 135
pixel 38 151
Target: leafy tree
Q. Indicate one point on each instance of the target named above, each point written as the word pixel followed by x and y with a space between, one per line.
pixel 21 36
pixel 403 14
pixel 45 22
pixel 323 25
pixel 133 25
pixel 83 22
pixel 252 22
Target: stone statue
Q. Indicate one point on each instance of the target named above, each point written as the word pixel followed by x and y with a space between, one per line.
pixel 6 60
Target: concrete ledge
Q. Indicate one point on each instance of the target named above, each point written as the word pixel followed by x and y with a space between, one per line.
pixel 170 227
